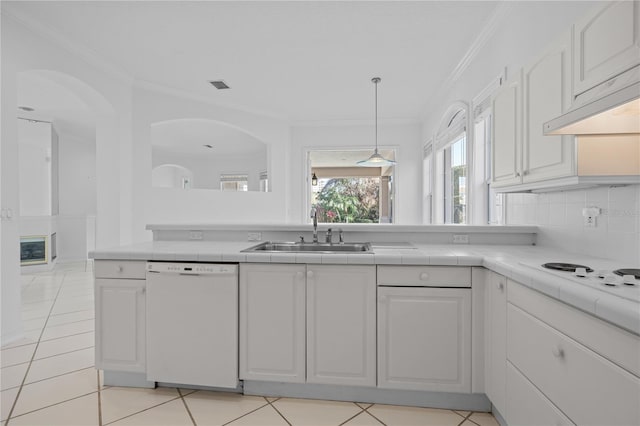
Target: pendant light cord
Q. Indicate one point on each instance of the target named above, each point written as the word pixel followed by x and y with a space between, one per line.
pixel 376 80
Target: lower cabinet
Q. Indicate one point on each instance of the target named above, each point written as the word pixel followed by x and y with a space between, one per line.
pixel 424 337
pixel 341 325
pixel 495 334
pixel 583 376
pixel 272 322
pixel 527 405
pixel 312 323
pixel 120 316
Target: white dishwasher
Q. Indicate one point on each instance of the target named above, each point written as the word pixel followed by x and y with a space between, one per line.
pixel 192 323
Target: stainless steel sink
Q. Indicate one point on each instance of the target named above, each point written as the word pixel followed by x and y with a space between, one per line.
pixel 279 247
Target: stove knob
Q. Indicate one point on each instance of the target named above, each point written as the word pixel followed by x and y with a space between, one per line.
pixel 629 279
pixel 581 272
pixel 611 280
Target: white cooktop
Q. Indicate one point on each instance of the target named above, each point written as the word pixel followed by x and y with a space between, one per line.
pixel 602 278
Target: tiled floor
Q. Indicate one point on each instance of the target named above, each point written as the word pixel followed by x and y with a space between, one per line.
pixel 49 378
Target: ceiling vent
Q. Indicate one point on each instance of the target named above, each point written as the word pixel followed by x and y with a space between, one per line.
pixel 219 84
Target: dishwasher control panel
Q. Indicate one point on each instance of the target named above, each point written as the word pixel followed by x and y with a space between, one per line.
pixel 192 268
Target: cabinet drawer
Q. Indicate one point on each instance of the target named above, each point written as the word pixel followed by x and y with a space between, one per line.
pixel 585 386
pixel 130 269
pixel 526 406
pixel 424 276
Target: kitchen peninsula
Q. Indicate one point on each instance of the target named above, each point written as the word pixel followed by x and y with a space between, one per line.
pixel 418 321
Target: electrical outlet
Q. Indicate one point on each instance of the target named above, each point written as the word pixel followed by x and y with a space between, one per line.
pixel 590 215
pixel 460 239
pixel 195 235
pixel 254 236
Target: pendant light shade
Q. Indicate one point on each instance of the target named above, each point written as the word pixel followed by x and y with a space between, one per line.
pixel 376 160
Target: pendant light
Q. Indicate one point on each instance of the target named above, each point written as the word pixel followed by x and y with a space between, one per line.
pixel 376 160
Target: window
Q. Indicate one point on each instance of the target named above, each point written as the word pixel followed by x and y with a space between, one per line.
pixel 489 205
pixel 264 182
pixel 346 193
pixel 239 182
pixel 455 182
pixel 451 188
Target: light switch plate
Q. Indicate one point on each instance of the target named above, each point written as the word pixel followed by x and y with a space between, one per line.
pixel 195 235
pixel 460 239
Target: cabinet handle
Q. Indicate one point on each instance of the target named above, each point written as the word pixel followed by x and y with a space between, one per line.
pixel 424 276
pixel 517 174
pixel 501 286
pixel 309 274
pixel 299 276
pixel 119 268
pixel 558 352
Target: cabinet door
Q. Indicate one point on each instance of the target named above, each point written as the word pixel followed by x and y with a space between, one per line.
pixel 606 44
pixel 272 322
pixel 506 141
pixel 120 325
pixel 546 95
pixel 496 340
pixel 341 321
pixel 424 339
pixel 527 406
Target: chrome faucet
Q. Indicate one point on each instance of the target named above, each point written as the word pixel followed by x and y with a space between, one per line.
pixel 341 237
pixel 328 237
pixel 314 215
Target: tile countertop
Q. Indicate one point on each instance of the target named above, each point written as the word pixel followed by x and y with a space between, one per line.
pixel 503 259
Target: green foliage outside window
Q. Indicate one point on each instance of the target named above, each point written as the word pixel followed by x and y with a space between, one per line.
pixel 349 200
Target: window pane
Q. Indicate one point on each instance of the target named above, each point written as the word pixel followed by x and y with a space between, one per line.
pixel 348 200
pixel 459 181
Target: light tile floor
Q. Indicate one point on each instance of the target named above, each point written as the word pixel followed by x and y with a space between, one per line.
pixel 48 378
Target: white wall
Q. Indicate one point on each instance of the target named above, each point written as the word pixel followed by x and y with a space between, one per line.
pixel 77 176
pixel 35 180
pixel 26 48
pixel 164 205
pixel 561 224
pixel 404 138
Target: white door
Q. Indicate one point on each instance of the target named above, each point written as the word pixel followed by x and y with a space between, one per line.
pixel 192 328
pixel 341 325
pixel 607 43
pixel 496 340
pixel 424 339
pixel 272 322
pixel 120 325
pixel 506 142
pixel 547 94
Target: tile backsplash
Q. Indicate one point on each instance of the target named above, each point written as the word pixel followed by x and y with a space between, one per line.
pixel 561 224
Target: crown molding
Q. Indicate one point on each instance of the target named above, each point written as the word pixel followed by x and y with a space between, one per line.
pixel 502 10
pixel 75 48
pixel 356 122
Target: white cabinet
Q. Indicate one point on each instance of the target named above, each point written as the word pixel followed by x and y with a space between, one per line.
pixel 506 143
pixel 321 317
pixel 607 43
pixel 546 95
pixel 496 339
pixel 120 315
pixel 424 336
pixel 527 406
pixel 341 325
pixel 595 384
pixel 272 322
pixel 521 153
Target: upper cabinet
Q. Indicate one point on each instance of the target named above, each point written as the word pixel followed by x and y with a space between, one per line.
pixel 607 43
pixel 603 46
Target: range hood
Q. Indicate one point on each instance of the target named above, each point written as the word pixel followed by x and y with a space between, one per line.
pixel 616 113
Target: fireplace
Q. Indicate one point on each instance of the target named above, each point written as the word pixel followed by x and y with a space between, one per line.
pixel 33 250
